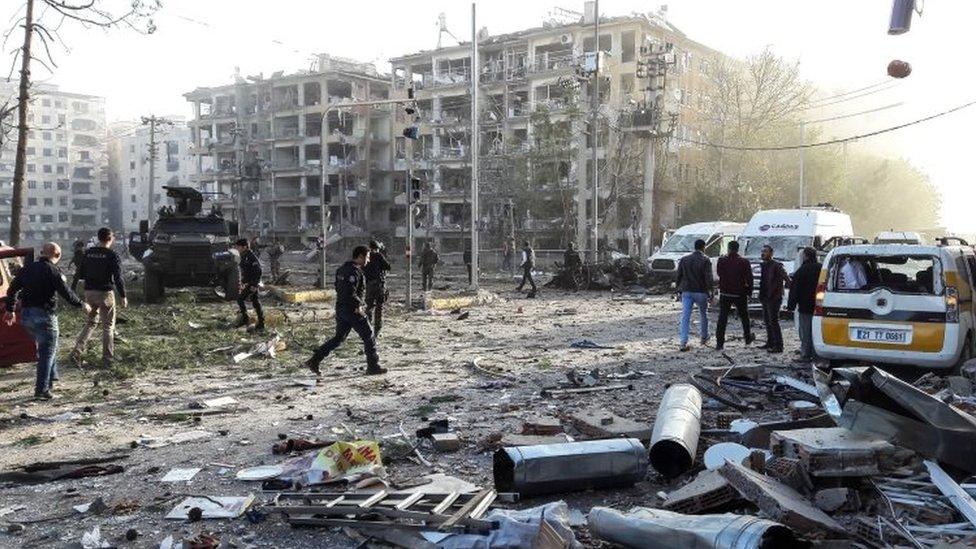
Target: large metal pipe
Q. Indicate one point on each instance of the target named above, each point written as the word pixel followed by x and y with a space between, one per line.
pixel 571 466
pixel 657 529
pixel 677 425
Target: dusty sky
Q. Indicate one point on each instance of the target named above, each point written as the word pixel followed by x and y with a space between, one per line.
pixel 841 45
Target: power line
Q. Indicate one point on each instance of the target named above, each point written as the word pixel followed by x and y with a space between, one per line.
pixel 853 114
pixel 851 98
pixel 832 141
pixel 858 90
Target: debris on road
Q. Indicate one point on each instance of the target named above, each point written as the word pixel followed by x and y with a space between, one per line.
pixel 674 441
pixel 211 507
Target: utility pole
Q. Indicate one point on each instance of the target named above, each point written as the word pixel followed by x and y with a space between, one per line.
pixel 646 121
pixel 594 132
pixel 802 139
pixel 155 124
pixel 20 159
pixel 475 139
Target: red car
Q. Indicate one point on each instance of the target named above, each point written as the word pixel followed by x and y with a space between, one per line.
pixel 16 345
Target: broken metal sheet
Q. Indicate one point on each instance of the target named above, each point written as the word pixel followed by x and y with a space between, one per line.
pixel 871 401
pixel 220 507
pixel 957 496
pixel 801 386
pixel 646 528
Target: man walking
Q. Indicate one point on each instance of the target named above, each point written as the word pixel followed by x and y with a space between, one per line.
pixel 350 285
pixel 428 259
pixel 735 287
pixel 35 286
pixel 275 252
pixel 528 263
pixel 250 285
pixel 466 259
pixel 772 279
pixel 101 269
pixel 695 284
pixel 375 272
pixel 803 298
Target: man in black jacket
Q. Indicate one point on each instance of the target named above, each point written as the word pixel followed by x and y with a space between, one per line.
pixel 772 279
pixel 735 287
pixel 35 286
pixel 695 283
pixel 350 285
pixel 250 284
pixel 803 298
pixel 376 294
pixel 101 269
pixel 428 260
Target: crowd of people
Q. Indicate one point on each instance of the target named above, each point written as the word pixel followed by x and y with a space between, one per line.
pixel 696 287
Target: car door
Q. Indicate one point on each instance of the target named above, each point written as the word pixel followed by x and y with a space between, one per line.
pixel 16 345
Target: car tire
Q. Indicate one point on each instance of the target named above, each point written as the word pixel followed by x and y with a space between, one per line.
pixel 153 287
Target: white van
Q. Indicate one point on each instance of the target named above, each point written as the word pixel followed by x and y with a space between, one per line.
pixel 716 234
pixel 787 232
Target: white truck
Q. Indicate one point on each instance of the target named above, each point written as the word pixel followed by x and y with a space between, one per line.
pixel 716 234
pixel 788 232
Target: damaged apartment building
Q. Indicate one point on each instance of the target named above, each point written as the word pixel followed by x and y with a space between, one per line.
pixel 66 190
pixel 260 151
pixel 258 148
pixel 535 146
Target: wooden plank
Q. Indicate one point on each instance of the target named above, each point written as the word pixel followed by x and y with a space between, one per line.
pixel 448 500
pixel 377 497
pixel 465 509
pixel 405 504
pixel 483 506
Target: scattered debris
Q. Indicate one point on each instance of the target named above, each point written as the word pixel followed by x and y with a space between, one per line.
pixel 833 451
pixel 781 503
pixel 716 455
pixel 340 460
pixel 708 491
pixel 646 528
pixel 587 344
pixel 601 424
pixel 674 441
pixel 572 466
pixel 217 507
pixel 181 475
pixel 269 348
pixel 446 442
pixel 219 402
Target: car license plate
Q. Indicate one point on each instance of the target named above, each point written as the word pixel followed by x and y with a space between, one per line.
pixel 870 334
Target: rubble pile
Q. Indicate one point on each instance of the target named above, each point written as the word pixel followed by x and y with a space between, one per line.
pixel 622 273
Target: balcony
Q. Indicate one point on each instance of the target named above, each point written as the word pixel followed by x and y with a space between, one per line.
pixel 546 62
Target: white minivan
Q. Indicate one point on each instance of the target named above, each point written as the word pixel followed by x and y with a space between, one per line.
pixel 716 234
pixel 789 231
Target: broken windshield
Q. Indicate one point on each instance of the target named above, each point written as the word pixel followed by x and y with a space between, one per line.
pixel 900 274
pixel 680 243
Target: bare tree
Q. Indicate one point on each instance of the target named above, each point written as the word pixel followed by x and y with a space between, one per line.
pixel 136 15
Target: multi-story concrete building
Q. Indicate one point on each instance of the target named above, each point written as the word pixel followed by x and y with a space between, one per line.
pixel 258 146
pixel 534 78
pixel 66 191
pixel 129 151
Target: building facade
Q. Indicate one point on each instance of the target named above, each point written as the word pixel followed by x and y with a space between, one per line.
pixel 129 150
pixel 67 194
pixel 261 151
pixel 535 139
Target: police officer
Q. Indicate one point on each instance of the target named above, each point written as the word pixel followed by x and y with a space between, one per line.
pixel 376 293
pixel 77 258
pixel 428 259
pixel 528 263
pixel 35 286
pixel 250 284
pixel 350 285
pixel 101 270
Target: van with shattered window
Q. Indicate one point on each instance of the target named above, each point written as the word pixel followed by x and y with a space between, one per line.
pixel 897 304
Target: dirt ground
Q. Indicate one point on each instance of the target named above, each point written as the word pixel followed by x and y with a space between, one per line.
pixel 526 341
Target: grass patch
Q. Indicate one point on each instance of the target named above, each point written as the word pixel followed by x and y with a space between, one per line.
pixel 31 440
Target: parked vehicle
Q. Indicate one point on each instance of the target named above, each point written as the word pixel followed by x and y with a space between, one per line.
pixel 716 234
pixel 16 345
pixel 789 231
pixel 912 304
pixel 898 237
pixel 186 248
